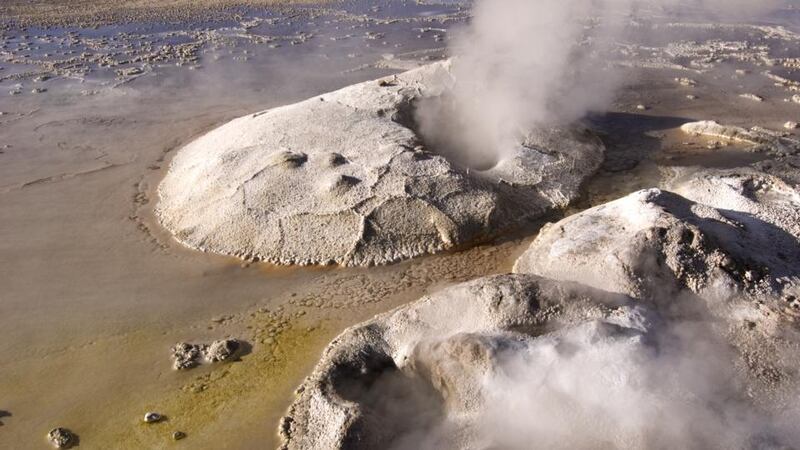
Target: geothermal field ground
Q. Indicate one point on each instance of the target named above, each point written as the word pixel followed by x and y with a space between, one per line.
pixel 488 224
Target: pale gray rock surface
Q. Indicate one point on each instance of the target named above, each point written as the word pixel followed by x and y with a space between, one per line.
pixel 726 241
pixel 222 350
pixel 393 380
pixel 769 192
pixel 185 355
pixel 61 438
pixel 722 234
pixel 344 178
pixel 761 139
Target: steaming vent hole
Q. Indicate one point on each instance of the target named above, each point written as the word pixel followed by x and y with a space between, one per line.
pixel 439 130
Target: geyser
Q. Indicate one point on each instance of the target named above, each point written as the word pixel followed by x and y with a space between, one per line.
pixel 351 178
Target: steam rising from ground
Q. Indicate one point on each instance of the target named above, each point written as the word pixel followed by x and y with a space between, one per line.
pixel 653 382
pixel 591 389
pixel 522 64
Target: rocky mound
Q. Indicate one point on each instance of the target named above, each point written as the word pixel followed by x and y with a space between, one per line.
pixel 727 234
pixel 760 139
pixel 768 192
pixel 346 178
pixel 396 379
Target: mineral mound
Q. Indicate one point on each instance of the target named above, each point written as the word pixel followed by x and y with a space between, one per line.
pixel 728 233
pixel 416 373
pixel 346 178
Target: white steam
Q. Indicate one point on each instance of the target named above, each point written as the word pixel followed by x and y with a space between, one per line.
pixel 592 387
pixel 522 64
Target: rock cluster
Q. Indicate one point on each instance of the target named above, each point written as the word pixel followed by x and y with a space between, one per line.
pixel 61 438
pixel 186 355
pixel 345 178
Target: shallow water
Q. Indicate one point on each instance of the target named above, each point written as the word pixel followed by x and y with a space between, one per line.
pixel 94 293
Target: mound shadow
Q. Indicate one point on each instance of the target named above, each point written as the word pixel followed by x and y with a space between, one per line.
pixel 396 407
pixel 629 138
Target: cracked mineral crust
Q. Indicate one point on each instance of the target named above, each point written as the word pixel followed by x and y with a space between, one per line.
pixel 720 234
pixel 345 178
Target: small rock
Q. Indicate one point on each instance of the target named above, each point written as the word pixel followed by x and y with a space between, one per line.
pixel 60 437
pixel 185 355
pixel 178 435
pixel 691 97
pixel 38 90
pixel 129 72
pixel 754 97
pixel 791 125
pixel 152 417
pixel 796 98
pixel 641 107
pixel 221 350
pixel 727 263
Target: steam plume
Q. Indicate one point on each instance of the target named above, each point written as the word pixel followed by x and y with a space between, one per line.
pixel 521 64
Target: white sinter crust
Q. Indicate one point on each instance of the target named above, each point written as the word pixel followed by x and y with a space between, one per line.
pixel 344 178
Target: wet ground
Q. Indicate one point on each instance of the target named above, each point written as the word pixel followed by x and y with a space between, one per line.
pixel 93 293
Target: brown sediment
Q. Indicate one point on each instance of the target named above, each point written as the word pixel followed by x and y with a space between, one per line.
pixel 212 404
pixel 238 404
